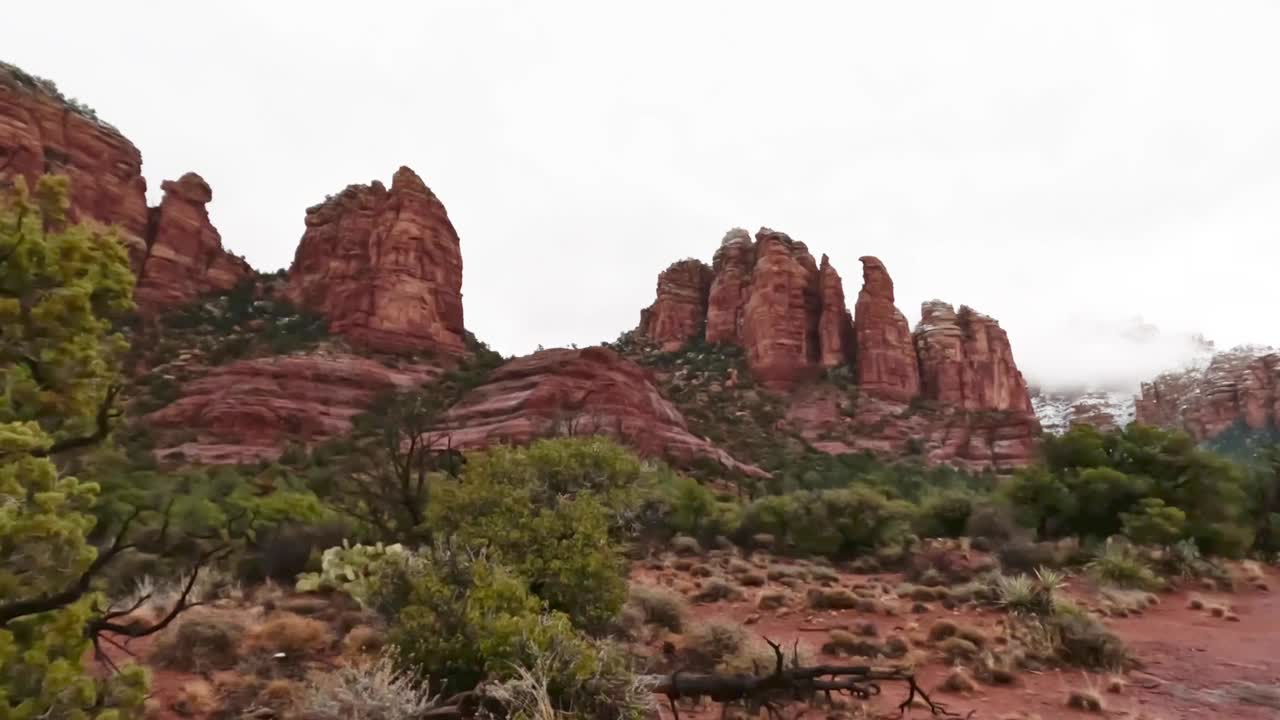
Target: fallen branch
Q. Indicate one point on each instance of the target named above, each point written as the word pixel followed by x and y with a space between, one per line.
pixel 788 684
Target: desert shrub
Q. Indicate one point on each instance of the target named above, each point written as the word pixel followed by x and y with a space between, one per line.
pixel 362 640
pixel 685 545
pixel 834 523
pixel 944 514
pixel 840 642
pixel 1083 641
pixel 712 643
pixel 1024 594
pixel 895 646
pixel 1025 556
pixel 293 635
pixel 1153 522
pixel 751 578
pixel 372 690
pixel 955 649
pixel 1086 700
pixel 1119 564
pixel 771 600
pixel 958 680
pixel 660 606
pixel 200 642
pixel 717 589
pixel 556 513
pixel 693 509
pixel 591 679
pixel 832 599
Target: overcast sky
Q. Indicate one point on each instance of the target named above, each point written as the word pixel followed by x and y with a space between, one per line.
pixel 1064 167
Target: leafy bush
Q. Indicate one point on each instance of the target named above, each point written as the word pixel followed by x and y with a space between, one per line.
pixel 710 644
pixel 556 512
pixel 944 514
pixel 832 523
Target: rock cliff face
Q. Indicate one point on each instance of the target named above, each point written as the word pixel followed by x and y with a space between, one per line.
pixel 579 392
pixel 184 258
pixel 780 318
pixel 966 361
pixel 384 266
pixel 950 391
pixel 768 297
pixel 680 310
pixel 1240 386
pixel 248 410
pixel 175 252
pixel 886 359
pixel 1061 410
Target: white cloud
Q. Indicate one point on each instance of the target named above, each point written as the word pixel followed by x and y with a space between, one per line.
pixel 1041 162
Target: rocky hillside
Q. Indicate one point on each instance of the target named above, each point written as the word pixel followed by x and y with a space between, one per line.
pixel 1236 390
pixel 1061 410
pixel 232 366
pixel 949 391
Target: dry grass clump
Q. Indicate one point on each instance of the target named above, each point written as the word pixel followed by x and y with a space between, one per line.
pixel 685 545
pixel 199 642
pixel 659 606
pixel 278 695
pixel 1195 602
pixel 824 574
pixel 1085 700
pixel 751 579
pixel 941 630
pixel 840 642
pixel 778 573
pixel 895 646
pixel 956 649
pixel 362 640
pixel 866 629
pixel 290 634
pixel 717 589
pixel 958 680
pixel 1217 611
pixel 364 691
pixel 772 600
pixel 683 564
pixel 832 599
pixel 710 644
pixel 701 570
pixel 1116 684
pixel 195 698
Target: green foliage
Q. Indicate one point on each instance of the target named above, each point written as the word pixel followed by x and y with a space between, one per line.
pixel 248 320
pixel 556 512
pixel 365 572
pixel 60 289
pixel 944 514
pixel 1154 523
pixel 1119 564
pixel 830 522
pixel 691 508
pixel 1096 484
pixel 466 617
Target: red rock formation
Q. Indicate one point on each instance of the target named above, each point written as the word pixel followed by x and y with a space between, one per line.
pixel 384 266
pixel 247 410
pixel 680 310
pixel 731 269
pixel 884 352
pixel 784 302
pixel 42 132
pixel 835 325
pixel 582 392
pixel 1240 386
pixel 184 257
pixel 833 423
pixel 966 361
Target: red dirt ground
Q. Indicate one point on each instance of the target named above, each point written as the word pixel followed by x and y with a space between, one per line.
pixel 1188 659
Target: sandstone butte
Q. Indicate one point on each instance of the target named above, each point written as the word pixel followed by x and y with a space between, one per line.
pixel 384 266
pixel 176 253
pixel 789 316
pixel 1237 388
